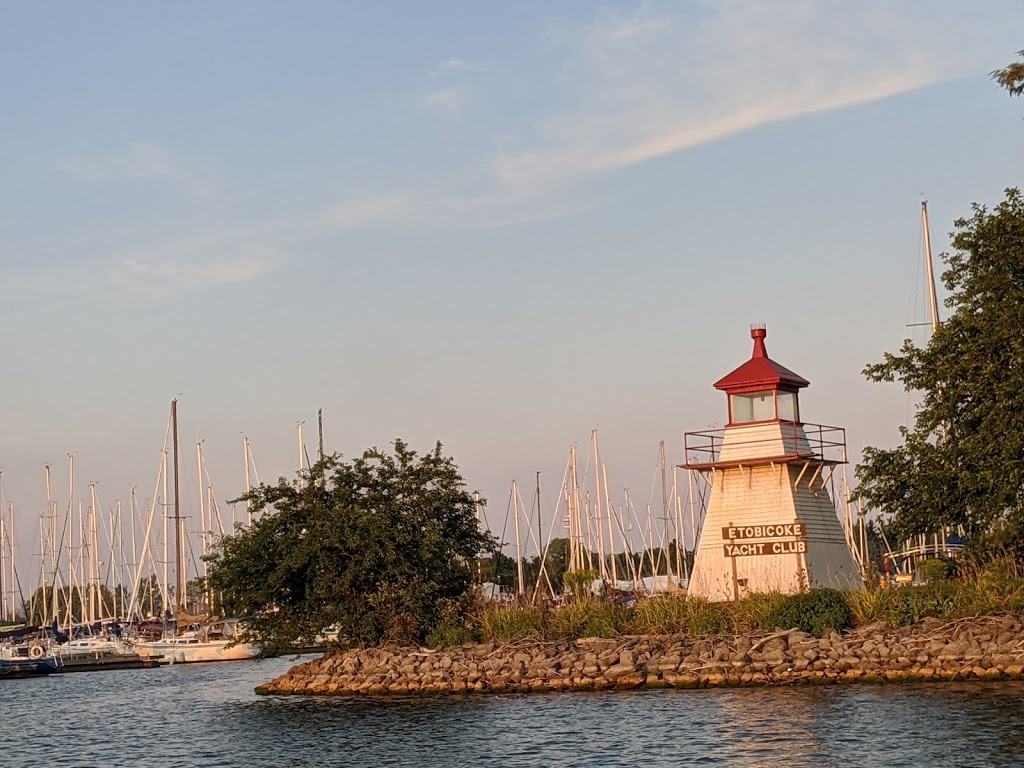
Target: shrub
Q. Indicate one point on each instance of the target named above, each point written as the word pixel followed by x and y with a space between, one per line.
pixel 909 605
pixel 932 571
pixel 813 612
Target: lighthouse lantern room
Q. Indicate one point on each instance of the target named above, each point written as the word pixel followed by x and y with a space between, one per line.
pixel 771 524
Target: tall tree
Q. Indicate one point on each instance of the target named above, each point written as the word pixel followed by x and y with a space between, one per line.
pixel 962 461
pixel 380 548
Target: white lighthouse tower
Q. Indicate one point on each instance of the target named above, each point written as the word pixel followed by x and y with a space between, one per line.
pixel 771 524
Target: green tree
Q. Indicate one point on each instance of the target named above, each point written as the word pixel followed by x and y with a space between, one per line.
pixel 39 611
pixel 381 548
pixel 498 568
pixel 962 461
pixel 556 563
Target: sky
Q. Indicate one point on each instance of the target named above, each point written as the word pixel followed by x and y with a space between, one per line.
pixel 495 225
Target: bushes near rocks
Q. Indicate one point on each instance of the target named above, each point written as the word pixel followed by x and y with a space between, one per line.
pixel 999 586
pixel 813 612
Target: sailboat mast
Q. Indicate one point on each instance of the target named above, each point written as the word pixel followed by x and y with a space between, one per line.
pixel 519 547
pixel 178 586
pixel 92 581
pixel 610 509
pixel 320 432
pixel 248 483
pixel 597 504
pixel 540 541
pixel 51 510
pixel 70 527
pixel 932 295
pixel 202 506
pixel 574 515
pixel 165 601
pixel 664 510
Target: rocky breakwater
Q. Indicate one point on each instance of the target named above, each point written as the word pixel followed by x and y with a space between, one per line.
pixel 985 648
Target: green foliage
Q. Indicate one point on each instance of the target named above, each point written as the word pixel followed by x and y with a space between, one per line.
pixel 813 612
pixel 998 585
pixel 40 603
pixel 511 622
pixel 672 614
pixel 556 563
pixel 380 548
pixel 585 618
pixel 932 571
pixel 911 604
pixel 959 465
pixel 995 548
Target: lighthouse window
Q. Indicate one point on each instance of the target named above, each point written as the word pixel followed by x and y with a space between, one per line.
pixel 756 406
pixel 786 402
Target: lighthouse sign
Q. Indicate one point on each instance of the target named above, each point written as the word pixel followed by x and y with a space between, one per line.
pixel 765 548
pixel 783 539
pixel 784 531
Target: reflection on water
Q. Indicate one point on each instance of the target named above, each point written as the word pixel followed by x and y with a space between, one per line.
pixel 207 715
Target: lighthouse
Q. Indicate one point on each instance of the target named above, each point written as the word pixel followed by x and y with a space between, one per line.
pixel 771 523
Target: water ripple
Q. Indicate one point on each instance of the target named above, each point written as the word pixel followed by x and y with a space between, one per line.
pixel 207 715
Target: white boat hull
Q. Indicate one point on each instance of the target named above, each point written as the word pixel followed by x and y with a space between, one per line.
pixel 177 652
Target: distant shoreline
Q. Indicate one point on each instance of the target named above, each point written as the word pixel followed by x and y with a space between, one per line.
pixel 979 648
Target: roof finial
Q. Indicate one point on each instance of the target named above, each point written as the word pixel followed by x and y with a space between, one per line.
pixel 757 332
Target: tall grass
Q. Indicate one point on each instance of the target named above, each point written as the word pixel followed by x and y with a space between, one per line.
pixel 756 611
pixel 585 618
pixel 979 588
pixel 870 605
pixel 671 614
pixel 996 586
pixel 511 623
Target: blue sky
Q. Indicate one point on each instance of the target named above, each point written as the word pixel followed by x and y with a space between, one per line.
pixel 494 225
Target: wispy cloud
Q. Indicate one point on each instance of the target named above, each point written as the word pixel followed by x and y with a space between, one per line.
pixel 456 64
pixel 448 102
pixel 355 214
pixel 165 274
pixel 645 84
pixel 139 161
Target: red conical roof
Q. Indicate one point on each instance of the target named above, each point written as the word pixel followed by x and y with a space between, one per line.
pixel 760 371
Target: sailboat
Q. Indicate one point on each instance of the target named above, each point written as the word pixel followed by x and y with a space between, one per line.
pixel 201 640
pixel 209 641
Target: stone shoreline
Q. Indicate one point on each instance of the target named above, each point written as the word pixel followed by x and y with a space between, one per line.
pixel 982 648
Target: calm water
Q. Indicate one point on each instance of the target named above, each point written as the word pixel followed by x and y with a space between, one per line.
pixel 207 715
